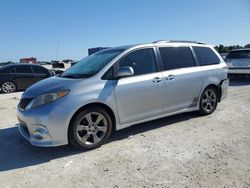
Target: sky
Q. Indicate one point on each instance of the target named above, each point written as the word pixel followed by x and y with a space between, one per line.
pixel 36 27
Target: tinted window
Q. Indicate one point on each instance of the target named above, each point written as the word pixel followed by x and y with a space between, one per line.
pixel 206 56
pixel 142 61
pixel 23 69
pixel 239 54
pixel 8 69
pixel 176 57
pixel 40 70
pixel 12 70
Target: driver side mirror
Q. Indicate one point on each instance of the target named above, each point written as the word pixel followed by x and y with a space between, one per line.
pixel 125 72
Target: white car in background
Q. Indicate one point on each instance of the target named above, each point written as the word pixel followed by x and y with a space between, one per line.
pixel 238 62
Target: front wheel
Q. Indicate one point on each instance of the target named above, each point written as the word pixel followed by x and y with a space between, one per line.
pixel 90 128
pixel 8 87
pixel 208 101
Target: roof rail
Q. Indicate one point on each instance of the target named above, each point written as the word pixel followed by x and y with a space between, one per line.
pixel 187 41
pixel 183 41
pixel 161 41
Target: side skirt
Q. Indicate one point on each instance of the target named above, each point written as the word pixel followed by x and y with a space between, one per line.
pixel 119 127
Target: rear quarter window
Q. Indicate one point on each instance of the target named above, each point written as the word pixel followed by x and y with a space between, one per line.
pixel 8 70
pixel 206 56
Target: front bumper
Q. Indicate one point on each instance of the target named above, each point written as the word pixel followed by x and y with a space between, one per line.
pixel 44 139
pixel 46 125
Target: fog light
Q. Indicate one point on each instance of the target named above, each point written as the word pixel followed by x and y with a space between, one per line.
pixel 39 133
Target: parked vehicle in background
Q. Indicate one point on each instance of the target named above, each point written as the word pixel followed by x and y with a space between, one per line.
pixel 58 64
pixel 119 87
pixel 57 71
pixel 238 62
pixel 20 76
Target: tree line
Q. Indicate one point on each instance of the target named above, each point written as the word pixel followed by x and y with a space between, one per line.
pixel 225 49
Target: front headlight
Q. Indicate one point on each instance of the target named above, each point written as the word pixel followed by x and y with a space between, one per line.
pixel 47 98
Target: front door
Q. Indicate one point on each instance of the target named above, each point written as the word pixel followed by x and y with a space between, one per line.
pixel 140 96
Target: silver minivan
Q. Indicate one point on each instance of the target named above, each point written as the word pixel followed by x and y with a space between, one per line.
pixel 119 87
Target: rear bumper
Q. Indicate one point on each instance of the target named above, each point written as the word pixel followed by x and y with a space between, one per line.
pixel 224 88
pixel 239 70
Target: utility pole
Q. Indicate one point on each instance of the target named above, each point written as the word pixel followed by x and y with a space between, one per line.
pixel 57 50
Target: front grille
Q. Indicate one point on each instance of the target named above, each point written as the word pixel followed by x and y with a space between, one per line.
pixel 24 103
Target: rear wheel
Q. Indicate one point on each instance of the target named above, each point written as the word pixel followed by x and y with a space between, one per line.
pixel 208 101
pixel 90 128
pixel 8 87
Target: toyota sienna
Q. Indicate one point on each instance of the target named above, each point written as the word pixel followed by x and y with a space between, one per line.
pixel 119 87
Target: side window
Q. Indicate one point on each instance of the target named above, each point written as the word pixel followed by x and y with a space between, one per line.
pixel 206 56
pixel 23 69
pixel 40 70
pixel 176 57
pixel 11 70
pixel 142 61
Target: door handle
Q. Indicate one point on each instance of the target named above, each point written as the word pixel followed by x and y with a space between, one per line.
pixel 156 79
pixel 170 77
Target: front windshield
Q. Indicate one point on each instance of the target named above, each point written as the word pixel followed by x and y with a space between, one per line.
pixel 92 64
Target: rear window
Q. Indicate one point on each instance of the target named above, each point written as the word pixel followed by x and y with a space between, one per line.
pixel 206 56
pixel 239 54
pixel 176 57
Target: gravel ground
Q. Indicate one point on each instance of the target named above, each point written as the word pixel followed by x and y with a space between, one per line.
pixel 180 151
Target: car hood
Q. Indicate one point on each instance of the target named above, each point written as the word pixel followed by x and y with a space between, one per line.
pixel 49 85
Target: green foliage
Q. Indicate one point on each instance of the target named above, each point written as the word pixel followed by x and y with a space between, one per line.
pixel 6 63
pixel 225 49
pixel 247 46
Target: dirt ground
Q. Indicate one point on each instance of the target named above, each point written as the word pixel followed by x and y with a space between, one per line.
pixel 181 151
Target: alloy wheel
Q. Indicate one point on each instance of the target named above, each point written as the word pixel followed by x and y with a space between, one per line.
pixel 92 128
pixel 8 87
pixel 209 100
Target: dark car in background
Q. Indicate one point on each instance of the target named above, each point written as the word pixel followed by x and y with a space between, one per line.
pixel 20 76
pixel 238 62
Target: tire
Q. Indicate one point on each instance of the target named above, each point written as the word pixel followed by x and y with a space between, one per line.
pixel 8 87
pixel 208 101
pixel 90 128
